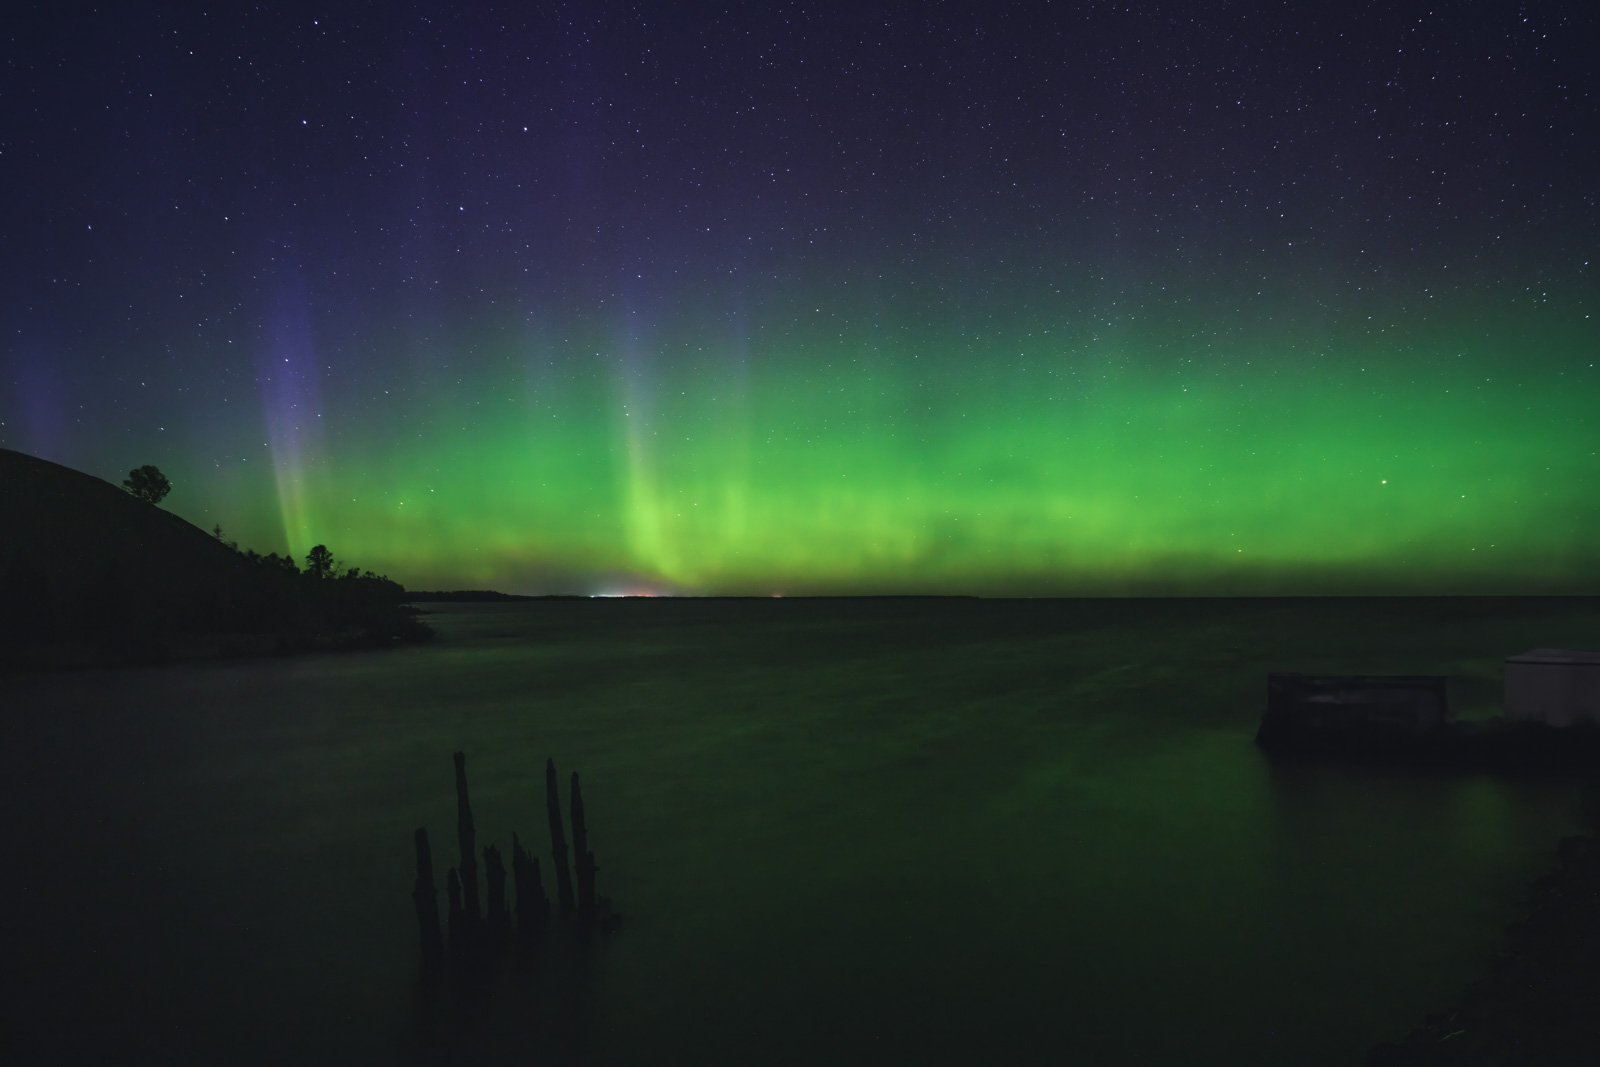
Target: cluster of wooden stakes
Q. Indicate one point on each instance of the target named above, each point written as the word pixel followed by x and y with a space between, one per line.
pixel 478 936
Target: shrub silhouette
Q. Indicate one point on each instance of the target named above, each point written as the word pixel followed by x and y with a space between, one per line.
pixel 319 562
pixel 147 483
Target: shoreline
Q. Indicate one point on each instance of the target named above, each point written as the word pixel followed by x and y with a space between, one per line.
pixel 51 656
pixel 1537 1003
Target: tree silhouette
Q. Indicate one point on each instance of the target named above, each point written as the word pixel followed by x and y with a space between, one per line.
pixel 147 483
pixel 319 562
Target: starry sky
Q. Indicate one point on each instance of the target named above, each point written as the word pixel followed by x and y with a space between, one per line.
pixel 1008 299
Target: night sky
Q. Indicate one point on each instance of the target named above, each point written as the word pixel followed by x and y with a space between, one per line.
pixel 824 298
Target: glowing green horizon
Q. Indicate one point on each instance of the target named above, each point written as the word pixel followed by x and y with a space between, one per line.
pixel 870 460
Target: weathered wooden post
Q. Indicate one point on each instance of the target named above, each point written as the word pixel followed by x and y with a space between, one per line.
pixel 558 838
pixel 458 919
pixel 582 857
pixel 467 836
pixel 495 874
pixel 427 901
pixel 533 907
pixel 475 935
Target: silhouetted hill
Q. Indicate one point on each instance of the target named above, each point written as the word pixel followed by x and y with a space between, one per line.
pixel 89 573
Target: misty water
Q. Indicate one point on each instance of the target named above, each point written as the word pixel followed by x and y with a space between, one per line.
pixel 839 831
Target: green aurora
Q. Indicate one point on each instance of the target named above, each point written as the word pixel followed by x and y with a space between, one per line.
pixel 1042 300
pixel 830 453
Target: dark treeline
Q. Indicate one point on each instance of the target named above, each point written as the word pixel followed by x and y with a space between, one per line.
pixel 447 596
pixel 326 602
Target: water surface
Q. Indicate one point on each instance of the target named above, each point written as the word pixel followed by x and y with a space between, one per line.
pixel 847 831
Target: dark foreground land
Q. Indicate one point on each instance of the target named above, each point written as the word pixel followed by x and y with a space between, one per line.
pixel 877 831
pixel 90 575
pixel 1537 1002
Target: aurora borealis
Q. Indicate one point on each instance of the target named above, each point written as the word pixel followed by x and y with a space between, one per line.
pixel 825 299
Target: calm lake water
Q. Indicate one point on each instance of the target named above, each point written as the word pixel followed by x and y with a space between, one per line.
pixel 875 831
